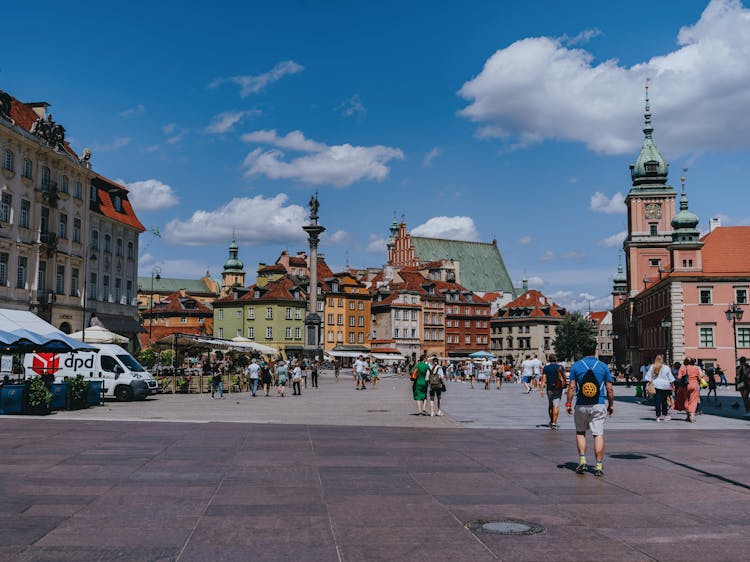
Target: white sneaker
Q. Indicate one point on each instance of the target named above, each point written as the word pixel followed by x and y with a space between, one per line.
pixel 432 414
pixel 667 418
pixel 440 412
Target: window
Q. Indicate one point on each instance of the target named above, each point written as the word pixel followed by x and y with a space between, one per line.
pixel 320 306
pixel 238 314
pixel 269 313
pixel 62 230
pixel 340 319
pixel 95 239
pixel 45 178
pixel 183 320
pixel 706 336
pixel 221 332
pixel 351 321
pixel 414 315
pixel 360 337
pixel 467 323
pixel 105 287
pixel 251 314
pixel 298 313
pixel 131 251
pixel 117 203
pixel 221 314
pixel 77 190
pixel 27 169
pixel 351 305
pixel 396 314
pixel 743 336
pixel 118 247
pixel 740 296
pixel 238 332
pixel 329 336
pixel 360 305
pixel 25 213
pixel 654 262
pixel 44 220
pixel 704 296
pixel 340 303
pixel 330 319
pixel 5 205
pixel 395 332
pixel 651 167
pixel 8 160
pixel 251 333
pixel 108 243
pixel 269 333
pixel 77 230
pixel 652 230
pixel 3 269
pixel 64 183
pixel 288 313
pixel 129 294
pixel 21 273
pixel 298 333
pixel 92 286
pixel 288 333
pixel 92 194
pixel 75 275
pixel 351 337
pixel 339 337
pixel 361 321
pixel 467 339
pixel 60 280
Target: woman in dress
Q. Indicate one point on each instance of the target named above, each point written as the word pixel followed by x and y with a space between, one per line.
pixel 661 375
pixel 687 395
pixel 282 376
pixel 265 377
pixel 374 372
pixel 419 387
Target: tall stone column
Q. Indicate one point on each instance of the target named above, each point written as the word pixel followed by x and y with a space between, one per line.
pixel 312 320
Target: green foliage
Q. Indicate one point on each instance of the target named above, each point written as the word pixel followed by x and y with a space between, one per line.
pixel 147 357
pixel 166 357
pixel 573 335
pixel 39 394
pixel 79 388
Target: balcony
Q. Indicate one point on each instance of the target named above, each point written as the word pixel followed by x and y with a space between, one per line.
pixel 49 241
pixel 50 193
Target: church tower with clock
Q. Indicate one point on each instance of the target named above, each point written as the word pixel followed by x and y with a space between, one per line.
pixel 651 207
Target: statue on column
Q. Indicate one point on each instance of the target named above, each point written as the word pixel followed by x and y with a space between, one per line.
pixel 314 206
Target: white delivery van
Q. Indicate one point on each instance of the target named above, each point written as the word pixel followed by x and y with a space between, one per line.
pixel 124 378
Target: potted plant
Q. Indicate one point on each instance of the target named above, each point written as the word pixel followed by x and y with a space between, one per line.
pixel 38 397
pixel 79 389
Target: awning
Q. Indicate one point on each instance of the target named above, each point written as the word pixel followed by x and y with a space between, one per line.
pixel 117 324
pixel 208 342
pixel 353 354
pixel 388 356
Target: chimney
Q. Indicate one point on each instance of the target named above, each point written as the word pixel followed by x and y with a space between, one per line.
pixel 39 107
pixel 714 222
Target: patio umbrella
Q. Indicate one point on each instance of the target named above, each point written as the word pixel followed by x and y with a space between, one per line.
pixel 27 341
pixel 481 355
pixel 99 334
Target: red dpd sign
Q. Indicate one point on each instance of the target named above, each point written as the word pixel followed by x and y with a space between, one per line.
pixel 45 363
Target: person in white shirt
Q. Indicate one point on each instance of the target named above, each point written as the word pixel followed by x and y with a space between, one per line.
pixel 254 374
pixel 537 371
pixel 296 379
pixel 360 372
pixel 470 372
pixel 435 382
pixel 662 377
pixel 527 373
pixel 487 370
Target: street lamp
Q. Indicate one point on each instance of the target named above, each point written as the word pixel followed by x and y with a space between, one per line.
pixel 666 323
pixel 155 274
pixel 734 313
pixel 86 261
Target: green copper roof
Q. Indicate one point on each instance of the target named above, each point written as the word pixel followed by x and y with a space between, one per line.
pixel 172 284
pixel 481 266
pixel 650 168
pixel 233 263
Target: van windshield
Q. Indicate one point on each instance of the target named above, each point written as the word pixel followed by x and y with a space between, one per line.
pixel 131 363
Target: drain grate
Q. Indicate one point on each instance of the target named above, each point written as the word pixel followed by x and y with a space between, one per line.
pixel 378 411
pixel 505 527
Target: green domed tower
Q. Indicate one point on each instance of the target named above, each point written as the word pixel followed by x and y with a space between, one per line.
pixel 234 270
pixel 685 249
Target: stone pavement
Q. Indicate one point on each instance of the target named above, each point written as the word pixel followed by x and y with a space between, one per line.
pixel 79 488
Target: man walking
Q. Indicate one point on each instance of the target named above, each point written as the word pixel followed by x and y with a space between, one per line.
pixel 589 378
pixel 553 380
pixel 314 374
pixel 527 372
pixel 360 370
pixel 254 374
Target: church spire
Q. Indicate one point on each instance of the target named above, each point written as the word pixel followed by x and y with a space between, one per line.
pixel 648 128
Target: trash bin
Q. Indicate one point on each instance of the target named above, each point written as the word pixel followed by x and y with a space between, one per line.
pixel 59 396
pixel 11 399
pixel 94 397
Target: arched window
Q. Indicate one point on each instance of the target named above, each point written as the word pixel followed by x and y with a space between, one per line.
pixel 8 160
pixel 45 177
pixel 64 183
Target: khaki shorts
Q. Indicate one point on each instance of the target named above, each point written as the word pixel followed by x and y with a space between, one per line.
pixel 590 418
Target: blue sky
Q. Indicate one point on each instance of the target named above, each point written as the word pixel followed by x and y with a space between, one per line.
pixel 510 120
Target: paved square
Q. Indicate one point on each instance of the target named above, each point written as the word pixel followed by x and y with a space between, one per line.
pixel 339 474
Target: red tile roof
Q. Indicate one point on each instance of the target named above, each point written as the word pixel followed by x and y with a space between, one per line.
pixel 105 189
pixel 727 250
pixel 531 304
pixel 598 316
pixel 324 272
pixel 279 290
pixel 177 304
pixel 272 268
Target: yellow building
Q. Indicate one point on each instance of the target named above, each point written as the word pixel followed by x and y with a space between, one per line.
pixel 346 315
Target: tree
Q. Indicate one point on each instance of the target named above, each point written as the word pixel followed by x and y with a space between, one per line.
pixel 574 334
pixel 147 357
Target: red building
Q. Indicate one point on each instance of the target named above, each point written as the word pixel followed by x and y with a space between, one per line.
pixel 467 320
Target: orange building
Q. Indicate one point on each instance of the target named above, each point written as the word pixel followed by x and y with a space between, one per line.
pixel 176 313
pixel 346 314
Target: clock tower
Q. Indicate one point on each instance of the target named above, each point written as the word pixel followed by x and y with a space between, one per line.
pixel 651 207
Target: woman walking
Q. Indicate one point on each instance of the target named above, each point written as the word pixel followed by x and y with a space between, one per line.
pixel 436 380
pixel 687 395
pixel 296 379
pixel 661 376
pixel 374 372
pixel 265 377
pixel 282 376
pixel 419 386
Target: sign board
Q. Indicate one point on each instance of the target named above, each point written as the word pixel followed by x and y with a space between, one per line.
pixel 6 364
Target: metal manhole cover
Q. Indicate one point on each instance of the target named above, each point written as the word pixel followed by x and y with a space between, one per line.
pixel 505 527
pixel 378 411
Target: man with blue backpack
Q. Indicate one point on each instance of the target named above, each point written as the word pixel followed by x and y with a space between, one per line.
pixel 589 380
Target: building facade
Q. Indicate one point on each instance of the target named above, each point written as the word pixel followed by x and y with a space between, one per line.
pixel 602 322
pixel 467 320
pixel 347 314
pixel 526 326
pixel 178 313
pixel 52 205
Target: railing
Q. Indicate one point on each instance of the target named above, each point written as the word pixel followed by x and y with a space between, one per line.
pixel 50 193
pixel 49 239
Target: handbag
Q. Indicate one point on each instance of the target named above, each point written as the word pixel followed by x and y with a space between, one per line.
pixel 650 389
pixel 413 375
pixel 702 383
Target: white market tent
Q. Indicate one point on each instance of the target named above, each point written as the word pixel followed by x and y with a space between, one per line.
pixel 99 334
pixel 218 343
pixel 11 320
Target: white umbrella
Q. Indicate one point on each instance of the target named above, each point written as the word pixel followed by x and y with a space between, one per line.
pixel 99 334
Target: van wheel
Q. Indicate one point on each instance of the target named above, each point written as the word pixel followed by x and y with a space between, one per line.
pixel 123 394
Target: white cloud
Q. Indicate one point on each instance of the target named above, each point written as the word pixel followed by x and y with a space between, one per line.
pixel 538 88
pixel 615 205
pixel 615 240
pixel 150 195
pixel 252 84
pixel 133 111
pixel 450 228
pixel 581 302
pixel 177 139
pixel 525 240
pixel 376 245
pixel 223 122
pixel 152 148
pixel 116 144
pixel 169 128
pixel 582 38
pixel 338 165
pixel 574 255
pixel 549 255
pixel 336 238
pixel 174 268
pixel 352 107
pixel 430 156
pixel 535 281
pixel 256 220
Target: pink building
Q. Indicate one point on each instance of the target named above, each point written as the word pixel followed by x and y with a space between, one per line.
pixel 673 297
